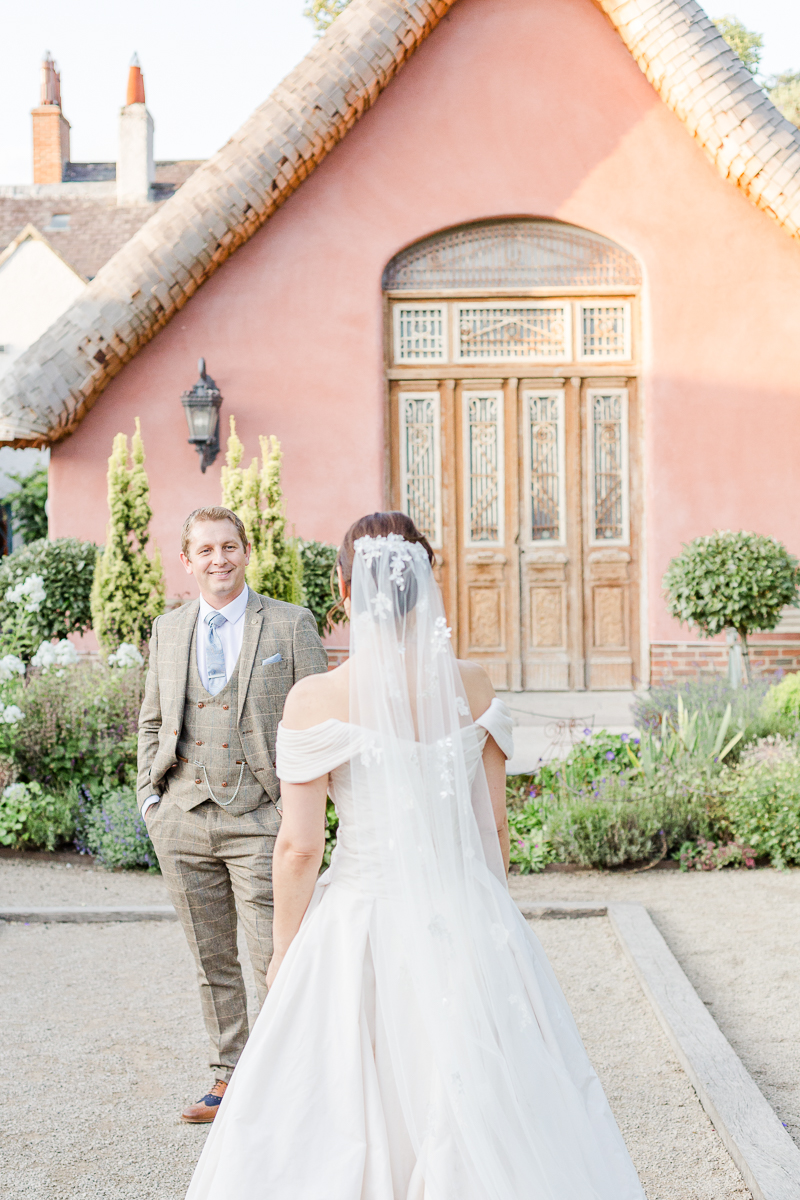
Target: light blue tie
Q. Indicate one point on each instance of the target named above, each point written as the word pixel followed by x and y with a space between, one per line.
pixel 215 655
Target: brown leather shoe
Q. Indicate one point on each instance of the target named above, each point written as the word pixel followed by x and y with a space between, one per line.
pixel 206 1109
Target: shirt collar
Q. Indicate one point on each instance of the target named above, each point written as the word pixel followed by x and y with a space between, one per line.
pixel 232 612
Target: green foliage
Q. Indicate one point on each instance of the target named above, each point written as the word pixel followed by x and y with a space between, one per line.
pixel 784 92
pixel 742 41
pixel 701 735
pixel 711 695
pixel 764 812
pixel 275 567
pixel 324 12
pixel 782 701
pixel 331 832
pixel 33 818
pixel 65 567
pixel 319 560
pixel 114 831
pixel 28 504
pixel 637 818
pixel 734 580
pixel 530 848
pixel 80 725
pixel 704 855
pixel 128 591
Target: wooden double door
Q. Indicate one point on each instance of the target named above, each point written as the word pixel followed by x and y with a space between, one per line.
pixel 529 489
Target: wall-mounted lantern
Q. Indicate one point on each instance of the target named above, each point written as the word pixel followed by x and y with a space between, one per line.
pixel 202 404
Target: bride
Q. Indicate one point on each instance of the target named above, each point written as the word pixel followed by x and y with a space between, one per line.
pixel 415 1044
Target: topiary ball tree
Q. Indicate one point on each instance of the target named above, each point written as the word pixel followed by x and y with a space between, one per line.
pixel 732 580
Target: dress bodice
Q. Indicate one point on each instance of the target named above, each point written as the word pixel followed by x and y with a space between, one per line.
pixel 327 748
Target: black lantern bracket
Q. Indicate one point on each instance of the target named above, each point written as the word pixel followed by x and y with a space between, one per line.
pixel 201 405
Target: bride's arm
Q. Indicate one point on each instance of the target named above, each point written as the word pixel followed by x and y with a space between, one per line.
pixel 296 861
pixel 480 694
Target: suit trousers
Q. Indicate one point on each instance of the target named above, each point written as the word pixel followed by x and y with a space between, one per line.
pixel 216 866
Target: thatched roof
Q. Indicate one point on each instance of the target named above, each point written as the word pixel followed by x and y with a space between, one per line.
pixel 58 379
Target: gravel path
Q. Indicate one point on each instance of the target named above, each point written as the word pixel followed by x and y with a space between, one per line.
pixel 104 1043
pixel 737 936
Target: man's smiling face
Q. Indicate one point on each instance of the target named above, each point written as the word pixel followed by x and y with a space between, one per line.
pixel 217 559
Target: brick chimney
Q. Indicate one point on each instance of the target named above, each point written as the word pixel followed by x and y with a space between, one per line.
pixel 135 167
pixel 50 127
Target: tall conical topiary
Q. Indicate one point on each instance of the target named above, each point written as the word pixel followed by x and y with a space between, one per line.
pixel 255 495
pixel 128 590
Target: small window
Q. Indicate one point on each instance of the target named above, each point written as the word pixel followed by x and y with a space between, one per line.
pixel 58 221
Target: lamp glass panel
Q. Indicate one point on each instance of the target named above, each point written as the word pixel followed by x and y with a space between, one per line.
pixel 200 419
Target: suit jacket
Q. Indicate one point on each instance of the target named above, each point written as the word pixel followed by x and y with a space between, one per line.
pixel 271 627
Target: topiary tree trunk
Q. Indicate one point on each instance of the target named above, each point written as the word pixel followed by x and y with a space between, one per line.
pixel 275 568
pixel 128 590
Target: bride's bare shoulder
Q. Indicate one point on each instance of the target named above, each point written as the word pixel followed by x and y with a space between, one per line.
pixel 318 698
pixel 477 685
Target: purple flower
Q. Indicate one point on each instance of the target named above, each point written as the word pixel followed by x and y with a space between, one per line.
pixel 635 741
pixel 610 755
pixel 623 737
pixel 588 732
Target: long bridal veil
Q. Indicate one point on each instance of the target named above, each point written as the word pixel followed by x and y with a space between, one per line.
pixel 507 1105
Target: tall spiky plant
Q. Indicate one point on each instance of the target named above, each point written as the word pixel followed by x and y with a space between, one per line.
pixel 128 590
pixel 255 495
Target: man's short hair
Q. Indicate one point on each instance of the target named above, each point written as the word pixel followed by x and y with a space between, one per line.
pixel 218 513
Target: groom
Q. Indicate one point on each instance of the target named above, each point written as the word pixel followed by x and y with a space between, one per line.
pixel 220 670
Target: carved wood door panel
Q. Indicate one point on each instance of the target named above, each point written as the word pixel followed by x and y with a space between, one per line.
pixel 528 493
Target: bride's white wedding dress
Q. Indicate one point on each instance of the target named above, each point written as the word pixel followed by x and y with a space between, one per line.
pixel 415 1044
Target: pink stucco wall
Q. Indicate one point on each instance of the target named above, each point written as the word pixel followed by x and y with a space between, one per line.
pixel 512 107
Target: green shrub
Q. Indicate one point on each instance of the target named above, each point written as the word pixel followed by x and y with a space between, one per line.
pixel 114 831
pixel 764 811
pixel 61 605
pixel 704 855
pixel 732 580
pixel 128 587
pixel 80 725
pixel 33 818
pixel 530 847
pixel 782 701
pixel 319 560
pixel 275 568
pixel 28 504
pixel 711 696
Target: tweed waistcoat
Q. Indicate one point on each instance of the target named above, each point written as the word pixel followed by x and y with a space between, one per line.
pixel 211 760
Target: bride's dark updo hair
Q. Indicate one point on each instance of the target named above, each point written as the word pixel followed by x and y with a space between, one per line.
pixel 378 524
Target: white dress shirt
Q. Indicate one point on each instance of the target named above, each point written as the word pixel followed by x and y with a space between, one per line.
pixel 231 633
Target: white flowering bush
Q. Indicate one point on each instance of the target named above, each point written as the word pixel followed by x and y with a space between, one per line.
pixel 12 714
pixel 29 593
pixel 45 591
pixel 62 654
pixel 126 655
pixel 10 667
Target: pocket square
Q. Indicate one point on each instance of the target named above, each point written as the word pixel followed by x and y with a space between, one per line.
pixel 265 662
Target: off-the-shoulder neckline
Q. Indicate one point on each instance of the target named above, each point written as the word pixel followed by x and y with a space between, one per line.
pixel 348 725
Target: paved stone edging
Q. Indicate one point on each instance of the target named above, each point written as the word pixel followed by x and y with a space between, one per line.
pixel 752 1133
pixel 86 915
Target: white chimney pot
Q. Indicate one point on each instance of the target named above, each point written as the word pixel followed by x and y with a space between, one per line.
pixel 135 166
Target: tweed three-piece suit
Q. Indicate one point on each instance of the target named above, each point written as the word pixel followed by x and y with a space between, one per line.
pixel 211 761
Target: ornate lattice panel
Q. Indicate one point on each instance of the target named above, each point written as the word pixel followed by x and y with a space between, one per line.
pixel 503 333
pixel 483 439
pixel 609 481
pixel 605 331
pixel 421 463
pixel 514 253
pixel 420 333
pixel 545 464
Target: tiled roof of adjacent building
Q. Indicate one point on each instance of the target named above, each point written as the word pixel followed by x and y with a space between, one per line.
pixel 95 227
pixel 228 198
